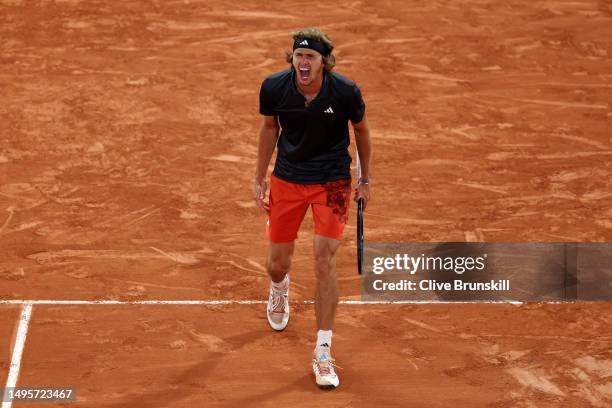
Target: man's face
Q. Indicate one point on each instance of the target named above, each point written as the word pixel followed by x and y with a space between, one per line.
pixel 308 65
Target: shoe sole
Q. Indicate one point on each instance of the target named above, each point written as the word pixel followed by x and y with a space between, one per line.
pixel 328 386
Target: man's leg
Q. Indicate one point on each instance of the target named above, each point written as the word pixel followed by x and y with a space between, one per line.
pixel 326 300
pixel 287 210
pixel 277 265
pixel 330 209
pixel 326 294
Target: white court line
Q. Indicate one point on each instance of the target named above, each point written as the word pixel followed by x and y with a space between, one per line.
pixel 20 340
pixel 241 302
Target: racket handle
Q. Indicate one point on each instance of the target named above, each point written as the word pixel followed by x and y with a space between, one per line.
pixel 359 235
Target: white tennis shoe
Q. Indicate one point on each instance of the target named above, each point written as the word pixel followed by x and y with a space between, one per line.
pixel 278 306
pixel 323 368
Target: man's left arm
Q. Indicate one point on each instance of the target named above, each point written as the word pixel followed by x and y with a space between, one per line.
pixel 364 150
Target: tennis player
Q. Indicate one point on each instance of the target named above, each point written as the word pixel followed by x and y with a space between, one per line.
pixel 311 106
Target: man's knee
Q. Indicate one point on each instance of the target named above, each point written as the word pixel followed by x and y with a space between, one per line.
pixel 324 266
pixel 279 259
pixel 278 263
pixel 325 256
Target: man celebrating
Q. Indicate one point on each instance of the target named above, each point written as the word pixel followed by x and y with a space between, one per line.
pixel 311 106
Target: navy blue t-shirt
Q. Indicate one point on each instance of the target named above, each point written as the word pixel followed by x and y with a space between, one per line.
pixel 314 139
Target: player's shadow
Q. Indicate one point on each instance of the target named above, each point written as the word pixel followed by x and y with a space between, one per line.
pixel 198 372
pixel 305 382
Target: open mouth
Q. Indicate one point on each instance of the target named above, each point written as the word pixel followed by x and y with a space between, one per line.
pixel 304 74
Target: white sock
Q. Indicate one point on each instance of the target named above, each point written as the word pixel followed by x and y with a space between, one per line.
pixel 324 337
pixel 282 285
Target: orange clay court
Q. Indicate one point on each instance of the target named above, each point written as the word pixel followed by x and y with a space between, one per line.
pixel 127 156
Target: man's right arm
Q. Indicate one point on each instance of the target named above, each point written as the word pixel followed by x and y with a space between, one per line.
pixel 268 135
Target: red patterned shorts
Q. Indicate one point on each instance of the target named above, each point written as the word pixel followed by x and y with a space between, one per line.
pixel 289 203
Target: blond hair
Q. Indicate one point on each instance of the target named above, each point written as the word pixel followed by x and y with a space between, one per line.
pixel 314 33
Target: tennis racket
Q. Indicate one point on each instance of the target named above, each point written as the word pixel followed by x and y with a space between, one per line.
pixel 359 221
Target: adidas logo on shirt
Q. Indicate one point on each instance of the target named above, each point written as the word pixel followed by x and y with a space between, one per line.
pixel 303 43
pixel 329 110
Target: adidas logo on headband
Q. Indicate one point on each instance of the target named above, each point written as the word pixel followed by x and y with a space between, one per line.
pixel 311 43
